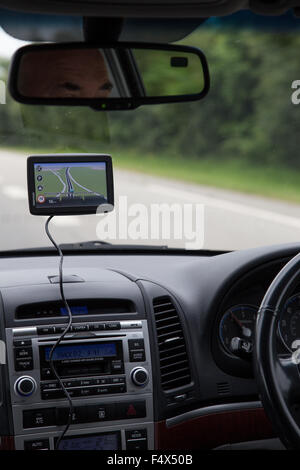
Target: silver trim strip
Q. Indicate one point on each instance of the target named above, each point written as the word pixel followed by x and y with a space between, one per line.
pixel 210 410
pixel 25 331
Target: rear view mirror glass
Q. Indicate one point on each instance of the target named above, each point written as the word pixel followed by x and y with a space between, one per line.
pixel 120 77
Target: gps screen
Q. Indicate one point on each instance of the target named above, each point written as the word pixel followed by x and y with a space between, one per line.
pixel 70 184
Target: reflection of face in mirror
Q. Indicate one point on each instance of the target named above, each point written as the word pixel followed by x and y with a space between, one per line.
pixel 77 73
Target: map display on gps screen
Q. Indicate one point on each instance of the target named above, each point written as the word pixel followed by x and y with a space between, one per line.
pixel 68 184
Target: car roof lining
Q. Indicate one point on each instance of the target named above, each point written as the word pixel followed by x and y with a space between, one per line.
pixel 151 8
pixel 47 27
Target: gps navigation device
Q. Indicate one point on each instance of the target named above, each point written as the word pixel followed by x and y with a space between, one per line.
pixel 69 184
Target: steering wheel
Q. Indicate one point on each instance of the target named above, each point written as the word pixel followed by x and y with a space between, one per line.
pixel 278 377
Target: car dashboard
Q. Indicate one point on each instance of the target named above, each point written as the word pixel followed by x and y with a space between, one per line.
pixel 149 362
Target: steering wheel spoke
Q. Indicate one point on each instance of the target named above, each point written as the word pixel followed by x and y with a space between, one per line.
pixel 278 377
pixel 287 372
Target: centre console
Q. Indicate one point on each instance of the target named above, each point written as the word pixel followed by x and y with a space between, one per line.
pixel 106 368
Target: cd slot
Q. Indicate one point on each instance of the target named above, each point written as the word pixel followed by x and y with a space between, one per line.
pixel 99 368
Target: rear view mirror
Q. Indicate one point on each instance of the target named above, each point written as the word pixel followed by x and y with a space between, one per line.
pixel 122 76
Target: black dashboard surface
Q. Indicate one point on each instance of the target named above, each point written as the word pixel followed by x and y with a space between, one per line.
pixel 202 287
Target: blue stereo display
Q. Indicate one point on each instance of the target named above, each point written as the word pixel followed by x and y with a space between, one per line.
pixel 101 442
pixel 83 310
pixel 82 351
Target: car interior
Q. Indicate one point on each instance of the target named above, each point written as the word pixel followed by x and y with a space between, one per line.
pixel 148 344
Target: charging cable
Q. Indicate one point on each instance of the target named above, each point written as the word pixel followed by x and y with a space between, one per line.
pixel 66 330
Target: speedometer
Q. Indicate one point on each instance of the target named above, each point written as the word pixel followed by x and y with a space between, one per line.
pixel 238 321
pixel 289 324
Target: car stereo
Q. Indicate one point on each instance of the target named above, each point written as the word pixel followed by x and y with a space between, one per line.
pixel 105 367
pixel 68 184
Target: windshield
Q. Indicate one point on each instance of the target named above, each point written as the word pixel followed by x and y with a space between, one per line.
pixel 222 173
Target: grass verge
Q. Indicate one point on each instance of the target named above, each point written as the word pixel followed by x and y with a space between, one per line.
pixel 272 182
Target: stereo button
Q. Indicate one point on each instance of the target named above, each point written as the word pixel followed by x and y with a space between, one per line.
pixel 85 382
pixel 22 342
pixel 78 328
pixel 117 367
pixel 101 390
pixel 85 392
pixel 98 413
pixel 136 434
pixel 21 353
pixel 73 393
pixel 131 325
pixel 71 383
pixel 37 444
pixel 23 364
pixel 116 380
pixel 45 330
pixel 25 386
pixel 117 388
pixel 137 444
pixel 113 326
pixel 52 394
pixel 38 418
pixel 137 355
pixel 99 381
pixel 130 410
pixel 49 386
pixel 140 376
pixel 60 329
pixel 46 373
pixel 136 344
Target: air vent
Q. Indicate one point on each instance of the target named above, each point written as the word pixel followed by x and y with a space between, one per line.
pixel 174 364
pixel 223 388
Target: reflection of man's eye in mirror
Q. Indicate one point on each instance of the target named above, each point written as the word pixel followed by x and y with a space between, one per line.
pixel 108 86
pixel 76 89
pixel 65 74
pixel 70 86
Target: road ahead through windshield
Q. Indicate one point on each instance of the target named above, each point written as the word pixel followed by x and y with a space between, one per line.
pixel 232 220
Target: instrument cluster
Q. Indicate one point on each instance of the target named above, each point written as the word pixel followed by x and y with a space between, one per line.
pixel 235 325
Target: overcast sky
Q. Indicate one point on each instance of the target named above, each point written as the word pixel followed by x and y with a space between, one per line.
pixel 8 45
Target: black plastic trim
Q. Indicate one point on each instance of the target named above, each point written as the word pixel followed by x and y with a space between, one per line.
pixel 148 8
pixel 105 104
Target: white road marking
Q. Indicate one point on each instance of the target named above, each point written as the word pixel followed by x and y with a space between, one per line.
pixel 230 206
pixel 15 192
